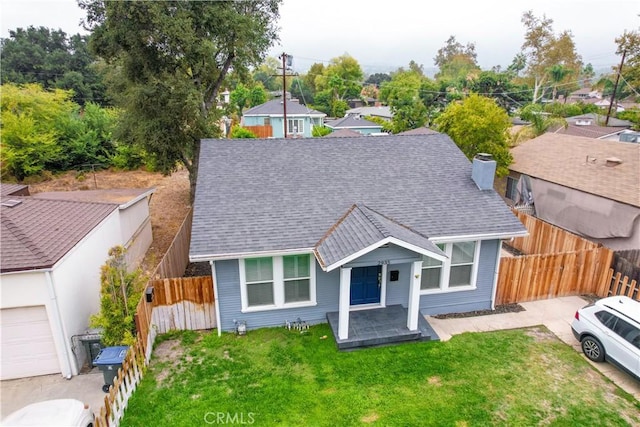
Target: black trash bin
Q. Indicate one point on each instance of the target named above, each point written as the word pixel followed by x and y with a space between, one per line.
pixel 109 360
pixel 92 346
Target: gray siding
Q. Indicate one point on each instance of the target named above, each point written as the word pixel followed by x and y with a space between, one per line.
pixel 230 305
pixel 478 299
pixel 328 287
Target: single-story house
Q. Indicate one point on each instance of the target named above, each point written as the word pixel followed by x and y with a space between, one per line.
pixel 382 111
pixel 593 125
pixel 53 246
pixel 356 124
pixel 300 118
pixel 587 186
pixel 338 230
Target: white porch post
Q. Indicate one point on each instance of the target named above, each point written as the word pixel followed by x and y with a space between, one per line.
pixel 345 300
pixel 413 308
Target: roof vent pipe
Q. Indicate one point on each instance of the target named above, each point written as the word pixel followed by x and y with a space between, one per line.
pixel 483 171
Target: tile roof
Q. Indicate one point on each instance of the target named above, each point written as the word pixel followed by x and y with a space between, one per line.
pixel 280 194
pixel 361 228
pixel 352 122
pixel 37 233
pixel 275 107
pixel 580 163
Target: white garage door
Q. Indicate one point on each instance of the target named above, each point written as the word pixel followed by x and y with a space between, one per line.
pixel 27 343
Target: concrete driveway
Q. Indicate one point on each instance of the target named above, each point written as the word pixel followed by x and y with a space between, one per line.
pixel 18 393
pixel 556 314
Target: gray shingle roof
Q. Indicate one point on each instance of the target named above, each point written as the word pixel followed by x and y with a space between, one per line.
pixel 37 233
pixel 352 122
pixel 275 107
pixel 342 133
pixel 280 194
pixel 361 228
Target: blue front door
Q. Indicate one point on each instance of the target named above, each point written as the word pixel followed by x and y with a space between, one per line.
pixel 365 285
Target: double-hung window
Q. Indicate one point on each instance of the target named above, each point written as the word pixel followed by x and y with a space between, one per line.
pixel 277 282
pixel 295 126
pixel 457 272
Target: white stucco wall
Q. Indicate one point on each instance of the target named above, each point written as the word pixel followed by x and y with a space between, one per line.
pixel 76 278
pixel 135 227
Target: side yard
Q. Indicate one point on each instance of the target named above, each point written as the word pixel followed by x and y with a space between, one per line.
pixel 276 376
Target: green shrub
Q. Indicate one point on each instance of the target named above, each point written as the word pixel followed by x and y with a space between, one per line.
pixel 240 132
pixel 318 131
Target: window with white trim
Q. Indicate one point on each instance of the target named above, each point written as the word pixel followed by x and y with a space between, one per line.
pixel 277 282
pixel 295 126
pixel 456 272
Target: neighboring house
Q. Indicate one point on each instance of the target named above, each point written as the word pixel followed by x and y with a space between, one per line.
pixel 299 230
pixel 356 124
pixel 592 125
pixel 53 247
pixel 300 119
pixel 586 186
pixel 382 111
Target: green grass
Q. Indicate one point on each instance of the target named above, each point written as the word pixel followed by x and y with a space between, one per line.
pixel 280 377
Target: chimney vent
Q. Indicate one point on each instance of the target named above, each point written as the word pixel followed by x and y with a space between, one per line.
pixel 613 161
pixel 483 171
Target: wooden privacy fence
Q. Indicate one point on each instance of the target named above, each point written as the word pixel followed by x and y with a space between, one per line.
pixel 183 303
pixel 545 238
pixel 175 260
pixel 265 131
pixel 542 276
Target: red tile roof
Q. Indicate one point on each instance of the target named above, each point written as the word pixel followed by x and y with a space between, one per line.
pixel 37 233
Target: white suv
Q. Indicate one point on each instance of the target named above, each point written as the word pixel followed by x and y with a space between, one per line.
pixel 609 329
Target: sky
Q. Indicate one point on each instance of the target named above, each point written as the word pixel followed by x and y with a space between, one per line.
pixel 383 36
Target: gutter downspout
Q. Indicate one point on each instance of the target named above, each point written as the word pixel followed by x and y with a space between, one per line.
pixel 59 324
pixel 495 277
pixel 215 296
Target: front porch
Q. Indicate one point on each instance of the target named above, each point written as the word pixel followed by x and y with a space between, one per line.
pixel 379 326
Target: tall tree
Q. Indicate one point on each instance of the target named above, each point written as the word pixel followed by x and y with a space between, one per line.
pixel 478 125
pixel 173 58
pixel 629 45
pixel 402 94
pixel 544 49
pixel 52 59
pixel 456 60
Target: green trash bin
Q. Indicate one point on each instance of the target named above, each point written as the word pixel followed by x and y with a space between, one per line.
pixel 109 360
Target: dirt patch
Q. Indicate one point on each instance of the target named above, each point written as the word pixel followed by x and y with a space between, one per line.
pixel 196 269
pixel 500 309
pixel 371 418
pixel 434 381
pixel 168 207
pixel 168 354
pixel 541 334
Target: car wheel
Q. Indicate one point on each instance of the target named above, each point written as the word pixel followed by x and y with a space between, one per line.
pixel 105 388
pixel 592 348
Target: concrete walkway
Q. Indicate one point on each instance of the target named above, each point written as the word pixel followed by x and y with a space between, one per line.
pixel 556 314
pixel 14 394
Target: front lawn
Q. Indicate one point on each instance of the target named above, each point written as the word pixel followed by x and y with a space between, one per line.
pixel 280 377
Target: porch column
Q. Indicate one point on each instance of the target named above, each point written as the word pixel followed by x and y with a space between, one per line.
pixel 413 307
pixel 345 298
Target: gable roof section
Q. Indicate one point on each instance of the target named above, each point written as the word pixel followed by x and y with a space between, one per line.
pixel 13 190
pixel 381 111
pixel 342 133
pixel 272 195
pixel 352 122
pixel 275 107
pixel 37 233
pixel 580 163
pixel 360 231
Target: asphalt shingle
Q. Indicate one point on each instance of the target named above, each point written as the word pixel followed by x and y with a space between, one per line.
pixel 281 194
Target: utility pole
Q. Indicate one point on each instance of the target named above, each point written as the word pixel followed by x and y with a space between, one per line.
pixel 286 59
pixel 615 88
